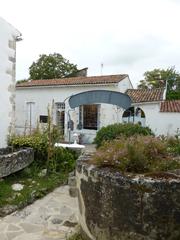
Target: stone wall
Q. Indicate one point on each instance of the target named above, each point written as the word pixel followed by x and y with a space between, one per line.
pixel 6 150
pixel 117 207
pixel 11 162
pixel 9 36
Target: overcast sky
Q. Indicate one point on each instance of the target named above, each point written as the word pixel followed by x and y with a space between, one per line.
pixel 127 36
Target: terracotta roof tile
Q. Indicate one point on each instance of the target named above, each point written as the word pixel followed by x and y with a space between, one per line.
pixel 145 95
pixel 170 106
pixel 74 81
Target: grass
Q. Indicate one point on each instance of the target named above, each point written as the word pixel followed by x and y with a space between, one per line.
pixel 76 236
pixel 35 186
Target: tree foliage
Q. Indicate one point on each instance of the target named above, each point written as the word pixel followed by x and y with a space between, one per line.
pixel 159 78
pixel 51 66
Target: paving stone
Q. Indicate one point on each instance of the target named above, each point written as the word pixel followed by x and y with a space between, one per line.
pixel 3 226
pixel 73 192
pixel 43 220
pixel 13 227
pixel 12 219
pixel 73 218
pixel 56 219
pixel 12 235
pixel 3 236
pixel 62 190
pixel 29 236
pixel 66 211
pixel 54 235
pixel 31 228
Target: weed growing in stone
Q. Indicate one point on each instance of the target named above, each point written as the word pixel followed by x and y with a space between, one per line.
pixel 139 154
pixel 76 236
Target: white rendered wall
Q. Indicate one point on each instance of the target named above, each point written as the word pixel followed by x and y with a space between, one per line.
pixel 125 84
pixel 42 96
pixel 8 36
pixel 161 123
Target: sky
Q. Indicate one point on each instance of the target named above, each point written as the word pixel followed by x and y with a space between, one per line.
pixel 126 36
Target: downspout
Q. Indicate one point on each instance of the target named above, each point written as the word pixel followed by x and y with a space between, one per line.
pixel 165 90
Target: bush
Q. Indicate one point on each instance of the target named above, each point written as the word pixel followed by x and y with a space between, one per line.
pixel 37 141
pixel 115 130
pixel 62 160
pixel 174 145
pixel 45 154
pixel 137 154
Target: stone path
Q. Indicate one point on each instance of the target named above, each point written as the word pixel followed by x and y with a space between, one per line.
pixel 53 217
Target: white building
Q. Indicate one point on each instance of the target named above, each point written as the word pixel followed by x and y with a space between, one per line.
pixel 33 98
pixel 150 108
pixel 8 37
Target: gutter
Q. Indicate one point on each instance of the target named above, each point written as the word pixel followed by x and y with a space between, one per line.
pixel 142 103
pixel 63 86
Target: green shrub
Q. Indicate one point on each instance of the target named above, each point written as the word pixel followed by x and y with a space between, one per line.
pixel 137 154
pixel 62 160
pixel 37 141
pixel 45 154
pixel 115 130
pixel 174 145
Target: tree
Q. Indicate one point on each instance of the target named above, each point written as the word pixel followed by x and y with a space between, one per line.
pixel 51 66
pixel 161 78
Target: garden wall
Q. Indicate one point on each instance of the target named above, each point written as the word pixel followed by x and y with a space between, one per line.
pixel 11 162
pixel 117 207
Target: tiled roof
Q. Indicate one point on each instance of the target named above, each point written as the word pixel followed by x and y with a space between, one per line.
pixel 170 106
pixel 145 95
pixel 74 81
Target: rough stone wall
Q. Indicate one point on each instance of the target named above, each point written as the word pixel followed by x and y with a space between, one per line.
pixel 6 150
pixel 9 37
pixel 11 162
pixel 116 207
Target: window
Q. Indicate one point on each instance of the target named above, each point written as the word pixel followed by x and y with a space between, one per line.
pixel 43 119
pixel 89 116
pixel 60 105
pixel 60 115
pixel 30 115
pixel 134 115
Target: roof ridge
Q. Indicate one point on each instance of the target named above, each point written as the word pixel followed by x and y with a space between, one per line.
pixel 141 89
pixel 104 79
pixel 95 76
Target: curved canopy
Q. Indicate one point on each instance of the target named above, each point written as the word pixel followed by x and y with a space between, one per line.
pixel 100 96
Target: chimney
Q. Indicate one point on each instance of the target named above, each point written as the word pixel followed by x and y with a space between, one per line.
pixel 82 72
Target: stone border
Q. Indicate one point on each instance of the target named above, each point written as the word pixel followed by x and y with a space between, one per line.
pixel 114 206
pixel 11 162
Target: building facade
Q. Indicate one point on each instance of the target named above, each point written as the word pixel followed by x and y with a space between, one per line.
pixel 9 36
pixel 149 108
pixel 34 97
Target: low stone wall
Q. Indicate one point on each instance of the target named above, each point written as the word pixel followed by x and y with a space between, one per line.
pixel 117 207
pixel 6 150
pixel 11 162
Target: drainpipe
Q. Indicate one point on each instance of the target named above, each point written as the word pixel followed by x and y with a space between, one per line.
pixel 165 90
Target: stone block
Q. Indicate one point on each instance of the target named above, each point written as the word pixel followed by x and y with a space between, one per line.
pixel 73 192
